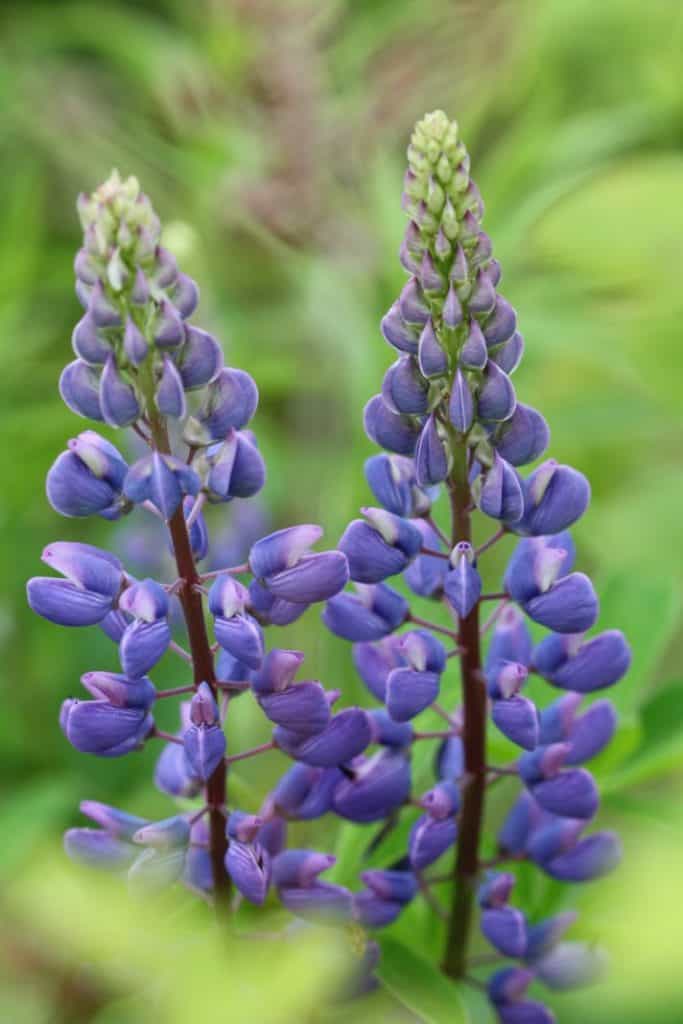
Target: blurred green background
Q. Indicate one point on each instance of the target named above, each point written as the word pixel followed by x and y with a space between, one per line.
pixel 270 137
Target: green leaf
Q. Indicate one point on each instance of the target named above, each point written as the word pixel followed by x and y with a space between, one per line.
pixel 646 608
pixel 420 986
pixel 661 747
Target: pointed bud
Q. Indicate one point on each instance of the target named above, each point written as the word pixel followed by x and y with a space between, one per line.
pixel 388 429
pixel 431 356
pixel 379 786
pixel 524 437
pixel 119 402
pixel 79 386
pixel 501 495
pixel 462 584
pixel 87 342
pixel 403 389
pixel 461 406
pixel 169 395
pixel 134 343
pixel 501 324
pixel 452 309
pixel 412 304
pixel 473 354
pixel 346 736
pixel 429 839
pixel 508 356
pixel 397 332
pixel 505 930
pixel 496 401
pixel 592 857
pixel 517 718
pixel 374 612
pixel 301 708
pixel 200 358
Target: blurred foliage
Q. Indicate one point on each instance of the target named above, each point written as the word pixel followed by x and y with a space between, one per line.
pixel 270 135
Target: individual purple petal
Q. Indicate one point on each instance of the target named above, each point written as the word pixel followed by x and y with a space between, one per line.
pixel 248 864
pixel 571 794
pixel 115 822
pixel 277 671
pixel 185 295
pixel 426 574
pixel 400 886
pixel 591 732
pixel 301 708
pixel 450 759
pixel 542 937
pixel 142 645
pixel 509 985
pixel 300 868
pixel 374 662
pixel 173 773
pixel 164 835
pixel 321 902
pixel 98 727
pixel 452 309
pixel 372 613
pixel 390 478
pixel 315 577
pixel 505 929
pixel 569 606
pixel 87 342
pixel 96 848
pixel 553 837
pixel 283 549
pixel 387 732
pixel 347 735
pixel 523 817
pixel 379 785
pixel 504 679
pixel 586 666
pixel 205 748
pixel 542 763
pixel 135 344
pixel 570 965
pixel 379 549
pixel 371 911
pixel 517 719
pixel 168 329
pixel 511 640
pixel 556 719
pixel 273 610
pixel 304 792
pixel 592 857
pixel 409 692
pixel 431 460
pixel 65 604
pixel 231 401
pixel 100 308
pixel 494 892
pixel 241 636
pixel 535 565
pixel 396 433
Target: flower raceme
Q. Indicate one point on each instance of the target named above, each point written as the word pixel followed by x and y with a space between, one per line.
pixel 448 419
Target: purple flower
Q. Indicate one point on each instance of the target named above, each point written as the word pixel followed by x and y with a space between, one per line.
pixel 379 548
pixel 370 614
pixel 429 839
pixel 88 478
pixel 462 584
pixel 283 565
pixel 393 431
pixel 555 496
pixel 161 479
pixel 98 727
pixel 374 787
pixel 89 592
pixel 248 864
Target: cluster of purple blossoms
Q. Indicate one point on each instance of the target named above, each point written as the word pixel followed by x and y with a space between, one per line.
pixel 448 415
pixel 140 362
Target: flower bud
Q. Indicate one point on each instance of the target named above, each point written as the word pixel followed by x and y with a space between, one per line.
pixel 120 690
pixel 273 610
pixel 79 386
pixel 426 574
pixel 509 985
pixel 523 817
pixel 185 295
pixel 524 437
pixel 429 839
pixel 509 355
pixel 88 344
pixel 517 718
pixel 501 323
pixel 392 481
pixel 374 662
pixel 387 732
pixel 373 912
pixel 504 927
pixel 494 892
pixel 526 1011
pixel 134 343
pixel 570 965
pixel 462 584
pixel 461 406
pixel 168 327
pixel 241 636
pixel 442 801
pixel 409 692
pixel 378 786
pixel 200 359
pixel 452 309
pixel 450 759
pixel 118 400
pixel 432 359
pixel 412 304
pixel 569 606
pixel 496 399
pixel 590 733
pixel 237 469
pixel 305 792
pixel 431 460
pixel 93 580
pixel 169 395
pixel 321 902
pixel 117 823
pixel 103 313
pixel 248 864
pixel 161 479
pixel 542 763
pixel 404 390
pixel 473 354
pixel 174 775
pixel 553 837
pixel 397 332
pixel 500 495
pixel 542 937
pixel 556 719
pixel 231 401
pixel 483 296
pixel 300 868
pixel 536 564
pixel 396 433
